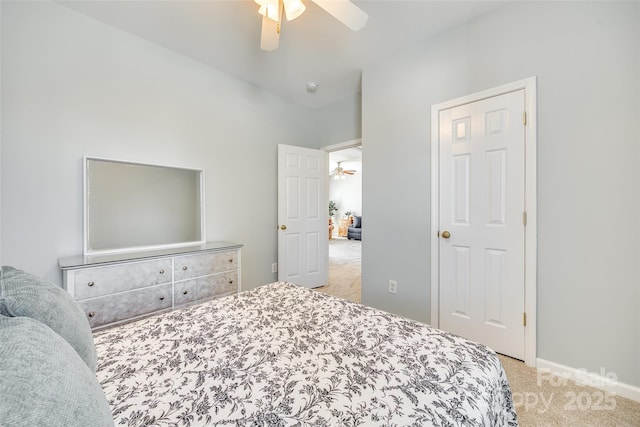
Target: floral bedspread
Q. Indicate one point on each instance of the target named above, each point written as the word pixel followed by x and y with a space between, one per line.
pixel 283 355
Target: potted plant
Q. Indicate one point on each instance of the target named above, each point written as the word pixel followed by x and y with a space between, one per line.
pixel 332 208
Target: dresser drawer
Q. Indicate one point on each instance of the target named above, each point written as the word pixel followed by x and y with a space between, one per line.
pixel 99 281
pixel 205 288
pixel 113 308
pixel 190 266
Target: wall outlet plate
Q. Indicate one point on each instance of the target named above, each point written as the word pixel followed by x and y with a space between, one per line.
pixel 393 287
pixel 274 267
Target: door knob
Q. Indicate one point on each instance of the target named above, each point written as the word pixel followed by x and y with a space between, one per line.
pixel 283 227
pixel 446 234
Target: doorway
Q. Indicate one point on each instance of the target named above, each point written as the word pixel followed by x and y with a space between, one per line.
pixel 344 187
pixel 483 218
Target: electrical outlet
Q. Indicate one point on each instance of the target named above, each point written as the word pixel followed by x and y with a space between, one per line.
pixel 274 267
pixel 393 287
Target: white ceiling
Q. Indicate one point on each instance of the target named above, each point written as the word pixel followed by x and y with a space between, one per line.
pixel 225 34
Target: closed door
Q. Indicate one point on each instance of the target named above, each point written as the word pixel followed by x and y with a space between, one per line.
pixel 302 216
pixel 482 220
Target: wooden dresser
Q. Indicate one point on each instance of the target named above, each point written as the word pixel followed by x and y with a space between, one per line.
pixel 112 289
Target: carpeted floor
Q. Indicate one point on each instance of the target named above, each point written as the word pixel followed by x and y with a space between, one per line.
pixel 541 400
pixel 344 269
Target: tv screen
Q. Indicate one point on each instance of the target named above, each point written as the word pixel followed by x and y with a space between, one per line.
pixel 135 206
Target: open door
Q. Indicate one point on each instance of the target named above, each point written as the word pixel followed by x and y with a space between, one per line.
pixel 302 216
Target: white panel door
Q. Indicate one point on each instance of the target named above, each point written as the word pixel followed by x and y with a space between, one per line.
pixel 302 216
pixel 482 204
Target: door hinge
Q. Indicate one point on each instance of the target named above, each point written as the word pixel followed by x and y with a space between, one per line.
pixel 524 319
pixel 524 218
pixel 524 118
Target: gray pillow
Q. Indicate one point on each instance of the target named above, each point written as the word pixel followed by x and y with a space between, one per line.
pixel 44 382
pixel 26 295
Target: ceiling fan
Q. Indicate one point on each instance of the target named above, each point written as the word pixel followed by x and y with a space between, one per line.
pixel 340 173
pixel 271 10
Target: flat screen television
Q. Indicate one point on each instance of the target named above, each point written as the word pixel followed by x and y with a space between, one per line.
pixel 131 206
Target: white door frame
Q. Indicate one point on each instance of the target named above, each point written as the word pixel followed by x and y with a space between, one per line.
pixel 343 145
pixel 329 149
pixel 530 279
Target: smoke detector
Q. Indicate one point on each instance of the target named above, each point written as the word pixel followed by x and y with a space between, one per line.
pixel 312 87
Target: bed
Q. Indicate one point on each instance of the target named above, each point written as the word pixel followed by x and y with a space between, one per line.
pixel 283 355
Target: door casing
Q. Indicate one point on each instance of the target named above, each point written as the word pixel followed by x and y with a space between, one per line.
pixel 337 147
pixel 530 280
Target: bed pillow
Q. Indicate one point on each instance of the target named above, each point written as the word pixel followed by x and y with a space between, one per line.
pixel 44 382
pixel 26 295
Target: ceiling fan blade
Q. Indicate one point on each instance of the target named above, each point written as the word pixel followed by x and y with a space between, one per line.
pixel 344 11
pixel 270 36
pixel 349 172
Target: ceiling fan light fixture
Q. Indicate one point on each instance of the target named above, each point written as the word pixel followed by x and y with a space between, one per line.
pixel 293 9
pixel 340 173
pixel 272 10
pixel 269 9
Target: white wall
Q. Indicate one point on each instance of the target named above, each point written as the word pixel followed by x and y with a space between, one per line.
pixel 586 56
pixel 340 121
pixel 72 86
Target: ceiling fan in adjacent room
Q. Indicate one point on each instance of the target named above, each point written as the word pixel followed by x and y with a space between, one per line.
pixel 271 10
pixel 340 173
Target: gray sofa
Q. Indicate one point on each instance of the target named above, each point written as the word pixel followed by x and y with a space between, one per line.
pixel 355 230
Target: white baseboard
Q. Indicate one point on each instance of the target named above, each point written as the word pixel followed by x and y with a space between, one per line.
pixel 606 381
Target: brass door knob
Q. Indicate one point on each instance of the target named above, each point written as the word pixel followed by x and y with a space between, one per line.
pixel 283 227
pixel 446 234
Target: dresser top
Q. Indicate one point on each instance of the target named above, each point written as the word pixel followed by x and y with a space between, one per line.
pixel 81 261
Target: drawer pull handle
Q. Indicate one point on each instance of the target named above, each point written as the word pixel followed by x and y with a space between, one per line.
pixel 161 271
pixel 231 282
pixel 185 292
pixel 230 259
pixel 92 314
pixel 161 298
pixel 184 268
pixel 90 283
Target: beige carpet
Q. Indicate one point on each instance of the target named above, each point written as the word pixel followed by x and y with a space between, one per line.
pixel 541 400
pixel 344 269
pixel 544 400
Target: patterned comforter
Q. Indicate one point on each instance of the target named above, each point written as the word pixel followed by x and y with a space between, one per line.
pixel 282 355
